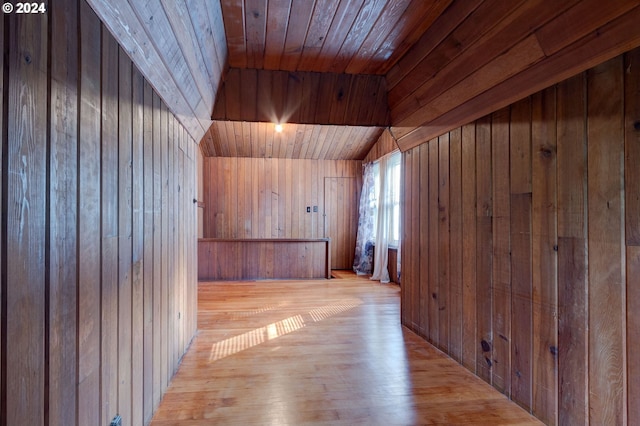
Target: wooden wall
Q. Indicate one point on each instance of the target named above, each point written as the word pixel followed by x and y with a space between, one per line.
pixel 267 198
pixel 384 145
pixel 98 284
pixel 200 196
pixel 521 247
pixel 275 258
pixel 480 56
pixel 180 47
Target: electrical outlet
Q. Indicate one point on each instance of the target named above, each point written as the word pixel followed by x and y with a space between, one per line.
pixel 117 421
pixel 315 209
pixel 308 209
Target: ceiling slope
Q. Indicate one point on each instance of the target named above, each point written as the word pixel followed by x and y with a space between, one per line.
pixel 480 56
pixel 180 48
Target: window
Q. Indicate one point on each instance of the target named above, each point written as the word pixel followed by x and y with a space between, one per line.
pixel 379 216
pixel 394 177
pixel 392 200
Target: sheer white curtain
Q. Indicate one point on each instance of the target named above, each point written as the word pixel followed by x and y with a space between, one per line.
pixel 387 224
pixel 363 259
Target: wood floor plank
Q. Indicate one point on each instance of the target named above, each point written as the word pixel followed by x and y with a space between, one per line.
pixel 320 352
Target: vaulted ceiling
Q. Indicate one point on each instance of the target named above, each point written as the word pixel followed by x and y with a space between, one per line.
pixel 338 72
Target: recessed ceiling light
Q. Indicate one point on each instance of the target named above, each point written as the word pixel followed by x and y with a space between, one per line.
pixel 279 128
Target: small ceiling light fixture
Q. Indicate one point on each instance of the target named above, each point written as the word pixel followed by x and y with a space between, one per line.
pixel 279 128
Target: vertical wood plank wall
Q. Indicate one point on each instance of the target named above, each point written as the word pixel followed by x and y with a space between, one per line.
pixel 268 197
pixel 97 187
pixel 549 247
pixel 384 145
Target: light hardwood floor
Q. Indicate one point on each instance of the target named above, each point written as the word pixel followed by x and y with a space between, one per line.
pixel 320 352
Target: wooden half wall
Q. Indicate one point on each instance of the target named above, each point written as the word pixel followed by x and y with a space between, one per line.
pixel 268 198
pixel 98 244
pixel 222 259
pixel 521 249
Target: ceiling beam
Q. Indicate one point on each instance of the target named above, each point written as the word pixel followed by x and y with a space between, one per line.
pixel 302 97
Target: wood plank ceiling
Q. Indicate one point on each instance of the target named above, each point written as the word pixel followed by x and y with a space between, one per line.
pixel 317 65
pixel 301 141
pixel 480 56
pixel 431 65
pixel 179 47
pixel 333 36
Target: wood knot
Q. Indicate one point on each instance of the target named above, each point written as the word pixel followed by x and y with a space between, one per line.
pixel 553 350
pixel 546 152
pixel 294 77
pixel 636 125
pixel 488 362
pixel 486 347
pixel 27 58
pixel 555 247
pixel 434 295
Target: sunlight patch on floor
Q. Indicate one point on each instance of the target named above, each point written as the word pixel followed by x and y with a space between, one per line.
pixel 267 308
pixel 333 309
pixel 244 341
